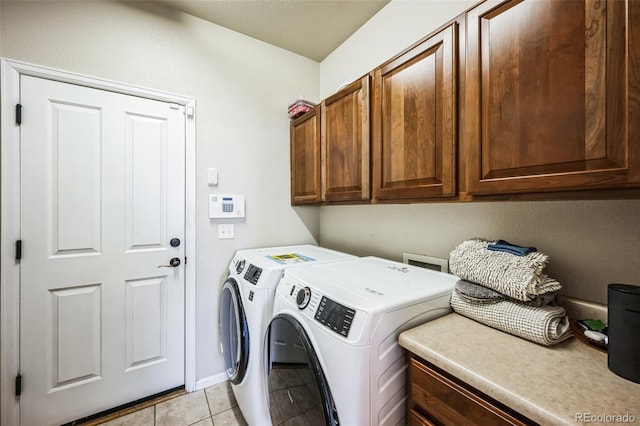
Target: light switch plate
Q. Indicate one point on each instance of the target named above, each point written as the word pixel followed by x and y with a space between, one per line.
pixel 225 231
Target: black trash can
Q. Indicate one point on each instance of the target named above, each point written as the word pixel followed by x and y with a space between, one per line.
pixel 624 330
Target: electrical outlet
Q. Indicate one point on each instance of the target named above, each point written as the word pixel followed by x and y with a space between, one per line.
pixel 225 231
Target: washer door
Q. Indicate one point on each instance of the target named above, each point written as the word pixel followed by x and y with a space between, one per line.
pixel 234 334
pixel 297 384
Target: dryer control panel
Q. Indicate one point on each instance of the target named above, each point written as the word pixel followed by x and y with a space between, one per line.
pixel 335 316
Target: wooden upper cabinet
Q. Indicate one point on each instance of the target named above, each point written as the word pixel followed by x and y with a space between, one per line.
pixel 414 121
pixel 345 143
pixel 551 96
pixel 305 158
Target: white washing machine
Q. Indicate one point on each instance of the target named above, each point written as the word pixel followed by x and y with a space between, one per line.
pixel 246 304
pixel 334 356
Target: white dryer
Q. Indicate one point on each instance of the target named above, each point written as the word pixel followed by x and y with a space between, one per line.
pixel 246 304
pixel 334 357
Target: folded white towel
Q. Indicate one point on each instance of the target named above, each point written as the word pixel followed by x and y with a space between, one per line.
pixel 546 325
pixel 519 277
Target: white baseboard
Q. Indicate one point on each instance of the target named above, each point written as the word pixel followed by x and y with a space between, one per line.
pixel 210 381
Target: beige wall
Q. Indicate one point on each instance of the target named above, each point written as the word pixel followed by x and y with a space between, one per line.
pixel 397 26
pixel 242 89
pixel 590 243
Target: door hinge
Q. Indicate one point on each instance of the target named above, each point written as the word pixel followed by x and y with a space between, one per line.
pixel 18 249
pixel 18 114
pixel 18 384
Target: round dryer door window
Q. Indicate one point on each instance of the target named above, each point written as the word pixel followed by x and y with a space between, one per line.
pixel 298 388
pixel 234 334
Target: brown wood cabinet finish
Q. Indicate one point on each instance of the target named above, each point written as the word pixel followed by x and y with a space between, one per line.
pixel 517 99
pixel 417 419
pixel 551 96
pixel 414 121
pixel 305 158
pixel 345 143
pixel 435 398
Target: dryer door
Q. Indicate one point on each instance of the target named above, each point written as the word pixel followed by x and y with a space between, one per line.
pixel 298 388
pixel 234 334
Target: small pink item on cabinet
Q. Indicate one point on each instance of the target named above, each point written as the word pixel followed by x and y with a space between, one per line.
pixel 299 107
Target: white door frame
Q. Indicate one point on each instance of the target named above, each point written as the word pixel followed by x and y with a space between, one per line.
pixel 10 72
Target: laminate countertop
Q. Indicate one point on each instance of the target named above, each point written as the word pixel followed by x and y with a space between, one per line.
pixel 569 383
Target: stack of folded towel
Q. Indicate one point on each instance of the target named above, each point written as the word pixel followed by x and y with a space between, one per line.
pixel 503 286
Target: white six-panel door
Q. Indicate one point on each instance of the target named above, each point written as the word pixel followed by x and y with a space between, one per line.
pixel 102 195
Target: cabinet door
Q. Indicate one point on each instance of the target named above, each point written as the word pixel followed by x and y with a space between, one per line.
pixel 414 121
pixel 305 158
pixel 436 398
pixel 549 96
pixel 345 144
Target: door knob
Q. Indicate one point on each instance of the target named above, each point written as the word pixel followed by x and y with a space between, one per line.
pixel 175 242
pixel 172 263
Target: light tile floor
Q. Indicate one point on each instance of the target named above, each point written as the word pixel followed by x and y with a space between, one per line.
pixel 213 406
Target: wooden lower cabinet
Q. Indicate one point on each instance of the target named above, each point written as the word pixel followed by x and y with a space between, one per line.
pixel 436 398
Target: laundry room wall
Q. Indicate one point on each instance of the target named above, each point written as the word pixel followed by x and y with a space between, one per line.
pixel 242 89
pixel 590 243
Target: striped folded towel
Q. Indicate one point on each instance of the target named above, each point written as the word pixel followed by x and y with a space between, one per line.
pixel 546 325
pixel 519 277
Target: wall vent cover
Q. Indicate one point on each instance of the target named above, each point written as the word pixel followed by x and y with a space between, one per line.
pixel 428 262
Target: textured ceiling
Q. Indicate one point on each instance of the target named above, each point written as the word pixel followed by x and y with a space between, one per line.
pixel 311 28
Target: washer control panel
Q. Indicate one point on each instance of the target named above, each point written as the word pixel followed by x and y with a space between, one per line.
pixel 303 297
pixel 253 274
pixel 335 316
pixel 240 265
pixel 325 312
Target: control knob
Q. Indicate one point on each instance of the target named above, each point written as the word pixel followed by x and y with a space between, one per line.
pixel 240 266
pixel 303 297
